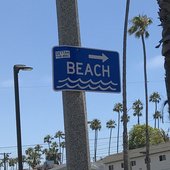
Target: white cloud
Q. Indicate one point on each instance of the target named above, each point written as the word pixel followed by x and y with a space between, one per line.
pixel 156 62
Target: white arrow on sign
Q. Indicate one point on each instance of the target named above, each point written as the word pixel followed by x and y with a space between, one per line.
pixel 102 57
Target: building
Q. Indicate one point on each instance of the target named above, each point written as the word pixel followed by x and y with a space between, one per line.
pixel 159 155
pixel 94 166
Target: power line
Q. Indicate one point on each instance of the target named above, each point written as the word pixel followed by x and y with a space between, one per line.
pixel 47 86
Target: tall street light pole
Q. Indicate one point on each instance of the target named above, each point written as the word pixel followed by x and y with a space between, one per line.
pixel 75 114
pixel 16 70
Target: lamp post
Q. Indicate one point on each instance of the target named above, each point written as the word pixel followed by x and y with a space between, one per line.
pixel 16 70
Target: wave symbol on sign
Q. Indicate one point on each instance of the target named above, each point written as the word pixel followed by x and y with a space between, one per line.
pixel 100 85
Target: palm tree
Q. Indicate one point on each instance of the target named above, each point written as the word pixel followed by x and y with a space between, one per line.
pixel 5 160
pixel 118 107
pixel 95 125
pixel 16 163
pixel 164 15
pixel 38 151
pixel 29 158
pixel 12 163
pixel 157 116
pixel 38 148
pixel 54 153
pixel 33 157
pixel 51 154
pixel 155 98
pixel 62 145
pixel 110 125
pixel 139 28
pixel 60 135
pixel 124 95
pixel 48 139
pixel 128 118
pixel 24 160
pixel 1 164
pixel 137 109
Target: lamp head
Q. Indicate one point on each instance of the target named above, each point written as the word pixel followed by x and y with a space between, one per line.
pixel 18 67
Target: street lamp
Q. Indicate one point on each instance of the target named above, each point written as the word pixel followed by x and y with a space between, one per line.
pixel 16 70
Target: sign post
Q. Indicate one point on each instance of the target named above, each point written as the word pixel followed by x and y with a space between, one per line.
pixel 75 115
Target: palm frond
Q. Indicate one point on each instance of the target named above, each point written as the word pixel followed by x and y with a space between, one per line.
pixel 146 34
pixel 138 34
pixel 139 26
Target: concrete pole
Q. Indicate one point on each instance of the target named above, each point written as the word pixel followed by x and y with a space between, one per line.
pixel 75 114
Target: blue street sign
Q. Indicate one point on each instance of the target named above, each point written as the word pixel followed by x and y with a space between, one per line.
pixel 84 69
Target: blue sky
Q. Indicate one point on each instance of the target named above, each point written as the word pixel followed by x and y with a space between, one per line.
pixel 29 32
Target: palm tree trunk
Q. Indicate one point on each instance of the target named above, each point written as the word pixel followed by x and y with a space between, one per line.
pixel 146 102
pixel 155 123
pixel 118 132
pixel 138 120
pixel 125 119
pixel 59 143
pixel 4 165
pixel 95 145
pixel 167 76
pixel 164 14
pixel 155 113
pixel 110 140
pixel 59 149
pixel 62 155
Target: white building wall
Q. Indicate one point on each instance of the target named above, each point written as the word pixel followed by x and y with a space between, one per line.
pixel 156 164
pixel 140 164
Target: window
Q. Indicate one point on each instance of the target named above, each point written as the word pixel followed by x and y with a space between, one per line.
pixel 111 167
pixel 122 165
pixel 133 163
pixel 162 157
